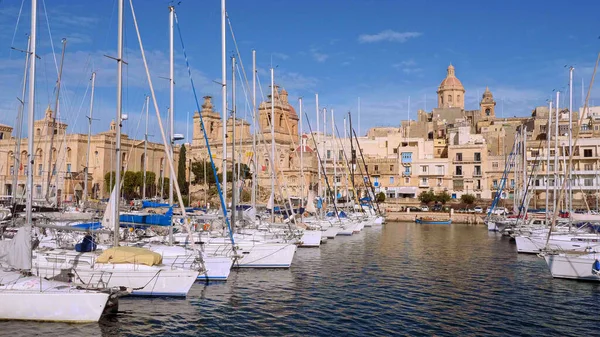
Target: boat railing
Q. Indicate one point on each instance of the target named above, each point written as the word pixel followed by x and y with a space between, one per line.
pixel 182 261
pixel 98 279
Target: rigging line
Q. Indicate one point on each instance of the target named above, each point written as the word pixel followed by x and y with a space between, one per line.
pixel 237 50
pixel 50 34
pixel 212 163
pixel 12 42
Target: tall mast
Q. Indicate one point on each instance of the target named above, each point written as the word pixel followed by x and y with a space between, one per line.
pixel 171 105
pixel 324 147
pixel 524 197
pixel 30 114
pixel 254 157
pixel 556 151
pixel 118 119
pixel 273 144
pixel 301 160
pixel 570 209
pixel 548 137
pixel 145 149
pixel 334 150
pixel 87 154
pixel 17 154
pixel 318 141
pixel 359 116
pixel 53 124
pixel 233 177
pixel 224 99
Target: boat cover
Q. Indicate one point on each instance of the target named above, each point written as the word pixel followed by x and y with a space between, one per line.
pixel 130 255
pixel 17 252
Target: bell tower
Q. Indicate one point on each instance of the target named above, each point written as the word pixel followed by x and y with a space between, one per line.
pixel 487 106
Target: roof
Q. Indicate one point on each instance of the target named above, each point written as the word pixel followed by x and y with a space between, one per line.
pixel 306 149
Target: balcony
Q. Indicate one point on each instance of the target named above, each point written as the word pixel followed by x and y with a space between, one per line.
pixel 477 174
pixel 406 174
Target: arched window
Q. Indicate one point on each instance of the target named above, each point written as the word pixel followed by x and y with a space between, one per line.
pixel 488 111
pixel 142 162
pixel 1 135
pixel 449 98
pixel 38 132
pixel 457 98
pixel 53 154
pixel 442 99
pixel 69 152
pixel 212 127
pixel 281 120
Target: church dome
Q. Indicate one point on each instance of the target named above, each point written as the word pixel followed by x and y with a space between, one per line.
pixel 451 81
pixel 487 96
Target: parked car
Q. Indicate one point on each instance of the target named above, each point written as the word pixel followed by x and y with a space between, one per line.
pixel 478 209
pixel 414 209
pixel 424 208
pixel 436 208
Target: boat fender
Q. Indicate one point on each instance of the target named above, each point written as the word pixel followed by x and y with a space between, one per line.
pixel 596 267
pixel 206 226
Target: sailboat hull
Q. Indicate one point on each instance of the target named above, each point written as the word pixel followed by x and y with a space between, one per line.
pixel 572 267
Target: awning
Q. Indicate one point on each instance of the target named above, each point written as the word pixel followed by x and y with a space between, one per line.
pixel 407 190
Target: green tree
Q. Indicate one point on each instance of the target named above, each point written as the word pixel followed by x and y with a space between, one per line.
pixel 443 197
pixel 427 196
pixel 108 178
pixel 198 171
pixel 181 168
pixel 380 197
pixel 150 184
pixel 468 199
pixel 165 188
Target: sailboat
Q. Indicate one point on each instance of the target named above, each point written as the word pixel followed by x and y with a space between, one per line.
pixel 27 297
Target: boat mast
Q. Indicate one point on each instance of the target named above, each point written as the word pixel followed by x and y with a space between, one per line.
pixel 301 162
pixel 87 154
pixel 273 144
pixel 145 149
pixel 524 167
pixel 548 136
pixel 254 157
pixel 317 145
pixel 334 150
pixel 224 99
pixel 556 152
pixel 30 116
pixel 233 177
pixel 17 153
pixel 570 145
pixel 171 111
pixel 53 124
pixel 325 150
pixel 118 122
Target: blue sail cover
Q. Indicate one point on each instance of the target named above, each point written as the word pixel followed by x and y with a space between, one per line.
pixel 91 226
pixel 149 219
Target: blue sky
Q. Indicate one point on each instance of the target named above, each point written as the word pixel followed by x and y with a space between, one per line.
pixel 381 51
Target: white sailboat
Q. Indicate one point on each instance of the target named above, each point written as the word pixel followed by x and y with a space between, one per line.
pixel 26 297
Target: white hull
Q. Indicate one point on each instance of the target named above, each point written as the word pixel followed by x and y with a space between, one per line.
pixel 572 267
pixel 331 232
pixel 22 299
pixel 259 255
pixel 310 239
pixel 534 245
pixel 143 280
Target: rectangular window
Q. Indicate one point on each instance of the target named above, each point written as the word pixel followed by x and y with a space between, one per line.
pixel 477 156
pixel 341 155
pixel 551 152
pixel 25 169
pixel 478 195
pixel 459 171
pixel 495 164
pixel 551 167
pixel 495 183
pixel 376 168
pixel 588 182
pixel 458 185
pixel 424 181
pixel 12 170
pixel 439 181
pixel 439 169
pixel 395 150
pixel 424 169
pixel 537 182
pixel 367 168
pixel 328 154
pixel 338 179
pixel 477 170
pixel 535 153
pixel 406 157
pixel 587 153
pixel 588 167
pixel 38 191
pixel 392 168
pixel 512 182
pixel 68 168
pixel 391 180
pixel 40 167
pixel 407 170
pixel 407 180
pixel 53 169
pixel 551 182
pixel 459 157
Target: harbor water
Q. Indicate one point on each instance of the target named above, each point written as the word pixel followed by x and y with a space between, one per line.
pixel 396 279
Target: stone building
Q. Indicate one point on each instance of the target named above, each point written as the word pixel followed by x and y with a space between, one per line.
pixel 60 160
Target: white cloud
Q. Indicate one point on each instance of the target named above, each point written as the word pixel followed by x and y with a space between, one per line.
pixel 280 56
pixel 407 66
pixel 388 35
pixel 318 56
